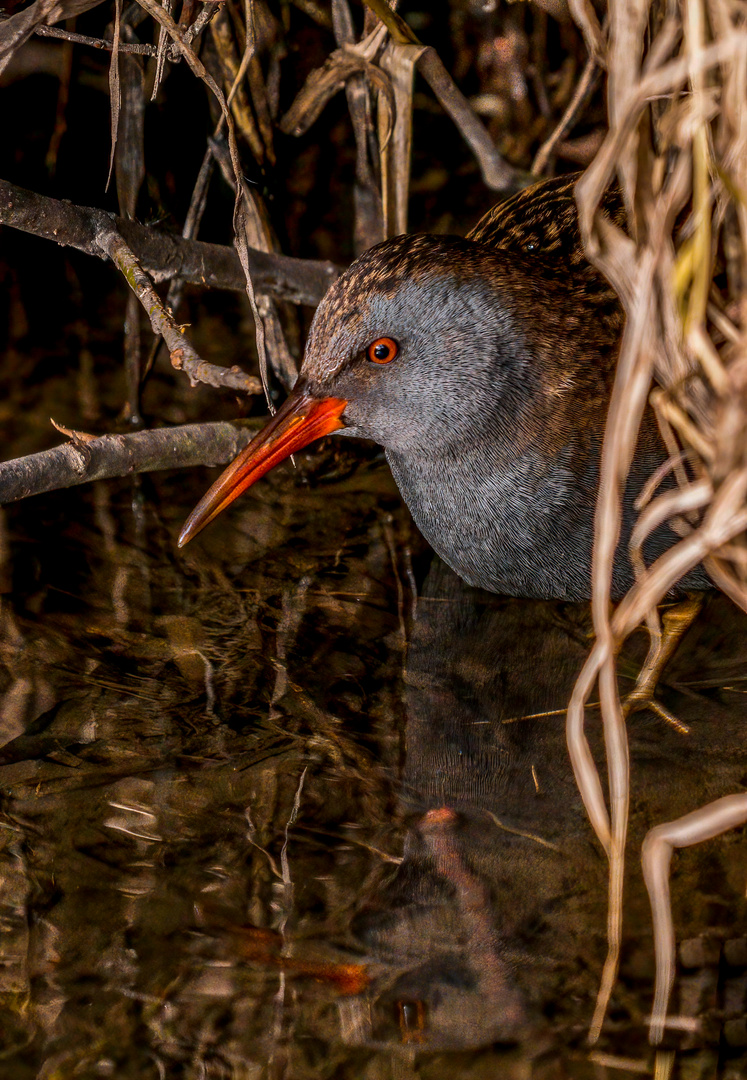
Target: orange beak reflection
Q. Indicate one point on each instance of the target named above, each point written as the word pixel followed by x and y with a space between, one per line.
pixel 300 421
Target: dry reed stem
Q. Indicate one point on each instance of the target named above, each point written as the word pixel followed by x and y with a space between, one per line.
pixel 115 92
pixel 666 276
pixel 373 58
pixel 398 60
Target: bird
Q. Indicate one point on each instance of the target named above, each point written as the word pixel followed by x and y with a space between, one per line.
pixel 484 366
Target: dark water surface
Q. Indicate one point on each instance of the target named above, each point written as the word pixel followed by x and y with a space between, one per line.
pixel 281 805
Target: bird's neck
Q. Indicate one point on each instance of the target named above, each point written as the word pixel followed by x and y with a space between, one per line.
pixel 515 523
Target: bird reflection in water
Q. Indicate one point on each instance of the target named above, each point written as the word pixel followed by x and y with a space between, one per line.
pixel 493 928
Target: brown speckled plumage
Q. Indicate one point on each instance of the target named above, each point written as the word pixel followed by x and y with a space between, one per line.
pixel 542 223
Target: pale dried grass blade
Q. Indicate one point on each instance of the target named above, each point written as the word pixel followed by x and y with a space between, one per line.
pixel 703 824
pixel 115 98
pixel 584 766
pixel 671 504
pixel 586 19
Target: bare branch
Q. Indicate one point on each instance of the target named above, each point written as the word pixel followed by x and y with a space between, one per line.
pixel 165 255
pixel 82 460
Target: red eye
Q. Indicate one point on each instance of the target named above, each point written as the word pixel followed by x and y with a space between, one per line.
pixel 383 350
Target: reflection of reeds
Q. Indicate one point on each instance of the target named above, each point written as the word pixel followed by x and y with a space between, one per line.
pixel 683 290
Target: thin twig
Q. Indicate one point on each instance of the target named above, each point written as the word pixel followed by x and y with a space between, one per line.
pixel 208 12
pixel 583 91
pixel 16 30
pixel 94 43
pixel 183 355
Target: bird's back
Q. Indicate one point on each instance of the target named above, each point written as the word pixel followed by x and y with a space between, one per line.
pixel 540 227
pixel 542 221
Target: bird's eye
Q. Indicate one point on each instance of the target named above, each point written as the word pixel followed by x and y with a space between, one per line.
pixel 383 350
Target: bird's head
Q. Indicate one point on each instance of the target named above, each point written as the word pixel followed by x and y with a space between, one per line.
pixel 412 347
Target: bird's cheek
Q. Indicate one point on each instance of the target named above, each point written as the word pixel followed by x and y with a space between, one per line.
pixel 353 418
pixel 357 420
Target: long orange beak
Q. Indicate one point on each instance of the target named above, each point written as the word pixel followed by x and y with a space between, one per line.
pixel 301 420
